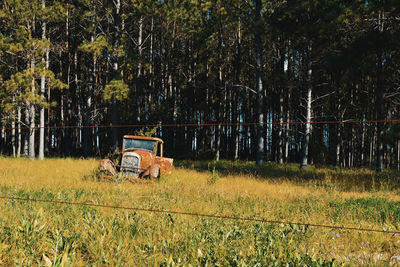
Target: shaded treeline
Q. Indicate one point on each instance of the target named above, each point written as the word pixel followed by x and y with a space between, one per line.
pixel 96 62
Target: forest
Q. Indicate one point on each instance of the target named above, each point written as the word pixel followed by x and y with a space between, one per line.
pixel 312 82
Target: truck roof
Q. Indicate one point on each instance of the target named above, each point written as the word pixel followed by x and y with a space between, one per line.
pixel 144 138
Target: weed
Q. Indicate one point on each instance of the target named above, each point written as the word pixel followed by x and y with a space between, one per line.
pixel 214 177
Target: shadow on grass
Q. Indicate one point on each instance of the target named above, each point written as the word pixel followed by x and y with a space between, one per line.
pixel 332 177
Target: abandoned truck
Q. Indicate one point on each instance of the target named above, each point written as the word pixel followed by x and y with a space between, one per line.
pixel 142 157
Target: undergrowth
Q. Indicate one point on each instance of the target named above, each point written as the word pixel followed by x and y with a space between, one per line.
pixel 33 233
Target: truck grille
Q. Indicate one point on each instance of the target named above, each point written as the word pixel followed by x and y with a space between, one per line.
pixel 130 166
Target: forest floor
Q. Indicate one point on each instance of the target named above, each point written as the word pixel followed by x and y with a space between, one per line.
pixel 33 233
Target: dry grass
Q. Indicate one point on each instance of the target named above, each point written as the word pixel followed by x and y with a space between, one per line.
pixel 34 233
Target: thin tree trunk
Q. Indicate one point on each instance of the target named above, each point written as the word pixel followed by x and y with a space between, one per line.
pixel 88 108
pixel 338 145
pixel 96 137
pixel 289 75
pixel 398 155
pixel 280 136
pixel 32 115
pixel 380 109
pixel 87 132
pixel 379 116
pixel 173 88
pixel 116 74
pixel 3 140
pixel 26 130
pixel 139 80
pixel 287 129
pixel 236 131
pixel 42 93
pixel 307 126
pixel 19 115
pixel 363 144
pixel 62 113
pixel 281 73
pixel 237 95
pixel 353 145
pixel 13 133
pixel 219 110
pixel 47 114
pixel 151 65
pixel 13 143
pixel 260 90
pixel 371 147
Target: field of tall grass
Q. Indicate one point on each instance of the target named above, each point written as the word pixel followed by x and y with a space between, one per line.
pixel 33 233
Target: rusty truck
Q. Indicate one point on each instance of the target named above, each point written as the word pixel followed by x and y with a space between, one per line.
pixel 142 158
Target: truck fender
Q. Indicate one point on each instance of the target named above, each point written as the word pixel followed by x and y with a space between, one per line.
pixel 154 171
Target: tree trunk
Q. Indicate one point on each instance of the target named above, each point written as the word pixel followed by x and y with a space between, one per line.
pixel 371 147
pixel 363 129
pixel 398 155
pixel 13 133
pixel 61 136
pixel 116 74
pixel 287 129
pixel 281 88
pixel 307 126
pixel 32 116
pixel 88 108
pixel 151 65
pixel 353 146
pixel 236 131
pixel 87 121
pixel 139 79
pixel 237 111
pixel 219 109
pixel 26 130
pixel 380 109
pixel 42 93
pixel 3 140
pixel 379 116
pixel 280 136
pixel 19 132
pixel 47 111
pixel 259 87
pixel 339 143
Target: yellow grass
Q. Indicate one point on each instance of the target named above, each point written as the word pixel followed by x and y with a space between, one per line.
pixel 190 191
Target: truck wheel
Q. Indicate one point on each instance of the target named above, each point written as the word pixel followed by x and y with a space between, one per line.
pixel 155 172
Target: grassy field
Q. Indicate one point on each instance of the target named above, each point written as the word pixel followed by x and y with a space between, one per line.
pixel 60 235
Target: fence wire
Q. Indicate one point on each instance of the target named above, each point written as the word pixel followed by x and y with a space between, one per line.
pixel 200 124
pixel 215 216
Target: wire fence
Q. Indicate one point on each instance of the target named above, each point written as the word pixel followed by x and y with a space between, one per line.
pixel 201 124
pixel 214 216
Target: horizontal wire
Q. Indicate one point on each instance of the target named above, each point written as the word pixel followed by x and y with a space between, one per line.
pixel 203 215
pixel 199 124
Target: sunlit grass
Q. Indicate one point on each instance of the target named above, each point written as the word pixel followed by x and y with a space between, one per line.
pixel 36 233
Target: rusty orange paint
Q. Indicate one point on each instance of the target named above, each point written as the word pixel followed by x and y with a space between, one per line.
pixel 144 163
pixel 166 164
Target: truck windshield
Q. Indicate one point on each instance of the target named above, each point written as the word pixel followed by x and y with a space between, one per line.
pixel 139 144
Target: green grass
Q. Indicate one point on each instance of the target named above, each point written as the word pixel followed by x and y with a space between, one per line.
pixel 359 179
pixel 33 233
pixel 80 235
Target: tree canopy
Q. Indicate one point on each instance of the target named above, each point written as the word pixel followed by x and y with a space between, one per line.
pixel 90 63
